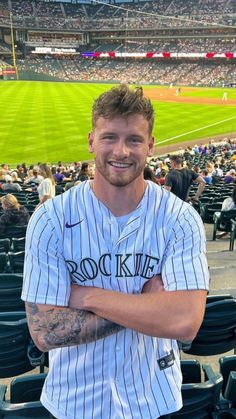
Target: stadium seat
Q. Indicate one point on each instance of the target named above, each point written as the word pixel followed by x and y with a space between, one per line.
pixel 18 244
pixel 16 261
pixel 14 341
pixel 10 292
pixel 222 221
pixel 14 231
pixel 227 403
pixel 15 346
pixel 217 334
pixel 4 265
pixel 232 234
pixel 207 211
pixel 199 398
pixel 5 245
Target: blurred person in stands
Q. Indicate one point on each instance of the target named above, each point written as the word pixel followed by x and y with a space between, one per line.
pixel 229 203
pixel 4 168
pixel 15 177
pixel 13 212
pixel 46 188
pixel 21 172
pixel 9 186
pixel 84 172
pixel 179 180
pixel 58 176
pixel 161 177
pixel 149 175
pixel 2 175
pixel 34 177
pixel 207 177
pixel 217 174
pixel 230 176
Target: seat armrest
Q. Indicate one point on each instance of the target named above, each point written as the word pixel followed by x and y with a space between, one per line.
pixel 230 390
pixel 3 390
pixel 210 375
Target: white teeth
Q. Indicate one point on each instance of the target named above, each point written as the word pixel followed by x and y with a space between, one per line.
pixel 121 165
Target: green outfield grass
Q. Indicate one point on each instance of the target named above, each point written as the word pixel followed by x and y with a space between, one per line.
pixel 47 121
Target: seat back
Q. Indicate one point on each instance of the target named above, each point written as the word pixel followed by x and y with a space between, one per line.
pixel 14 231
pixel 14 341
pixel 217 333
pixel 227 365
pixel 225 217
pixel 18 244
pixel 200 399
pixel 10 292
pixel 16 261
pixel 5 245
pixel 3 262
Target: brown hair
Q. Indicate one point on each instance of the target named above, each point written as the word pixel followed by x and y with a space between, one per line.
pixel 10 201
pixel 46 172
pixel 123 101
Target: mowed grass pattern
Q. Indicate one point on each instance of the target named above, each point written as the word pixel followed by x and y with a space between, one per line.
pixel 47 121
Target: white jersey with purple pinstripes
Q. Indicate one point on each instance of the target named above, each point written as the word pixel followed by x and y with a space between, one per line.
pixel 75 238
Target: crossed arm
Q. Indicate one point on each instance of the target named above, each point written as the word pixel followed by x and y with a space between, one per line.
pixel 96 313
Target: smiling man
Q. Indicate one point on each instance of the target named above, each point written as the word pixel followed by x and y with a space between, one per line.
pixel 115 273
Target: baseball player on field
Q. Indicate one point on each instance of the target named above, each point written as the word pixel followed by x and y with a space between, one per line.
pixel 115 273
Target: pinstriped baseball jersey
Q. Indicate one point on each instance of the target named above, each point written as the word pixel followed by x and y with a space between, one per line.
pixel 75 238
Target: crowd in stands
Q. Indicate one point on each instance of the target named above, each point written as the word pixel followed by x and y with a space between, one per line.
pixel 215 160
pixel 202 73
pixel 169 13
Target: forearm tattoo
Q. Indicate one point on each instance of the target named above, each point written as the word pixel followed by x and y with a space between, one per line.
pixel 68 326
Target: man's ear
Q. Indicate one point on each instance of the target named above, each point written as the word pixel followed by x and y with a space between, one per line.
pixel 151 146
pixel 90 142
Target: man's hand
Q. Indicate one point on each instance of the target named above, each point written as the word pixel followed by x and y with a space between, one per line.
pixel 78 293
pixel 154 284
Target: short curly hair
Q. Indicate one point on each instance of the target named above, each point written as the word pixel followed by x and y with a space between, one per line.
pixel 123 101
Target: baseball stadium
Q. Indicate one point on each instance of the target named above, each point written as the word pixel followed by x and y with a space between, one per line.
pixel 56 58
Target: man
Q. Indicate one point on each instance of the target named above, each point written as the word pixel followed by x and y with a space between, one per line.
pixel 179 180
pixel 9 186
pixel 92 287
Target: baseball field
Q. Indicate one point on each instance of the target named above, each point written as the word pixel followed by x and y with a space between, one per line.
pixel 47 121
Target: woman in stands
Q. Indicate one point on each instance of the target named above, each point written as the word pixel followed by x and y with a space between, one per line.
pixel 13 213
pixel 46 189
pixel 229 203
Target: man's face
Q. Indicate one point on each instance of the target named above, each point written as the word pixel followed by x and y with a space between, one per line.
pixel 121 146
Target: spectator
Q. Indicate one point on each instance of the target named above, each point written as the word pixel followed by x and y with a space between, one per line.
pixel 9 186
pixel 59 177
pixel 149 175
pixel 46 189
pixel 207 177
pixel 217 174
pixel 179 180
pixel 84 172
pixel 35 179
pixel 13 212
pixel 229 203
pixel 230 176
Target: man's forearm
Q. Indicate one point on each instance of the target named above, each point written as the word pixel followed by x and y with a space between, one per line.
pixel 52 327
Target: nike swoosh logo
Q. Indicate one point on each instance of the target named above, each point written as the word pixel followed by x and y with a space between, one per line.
pixel 73 225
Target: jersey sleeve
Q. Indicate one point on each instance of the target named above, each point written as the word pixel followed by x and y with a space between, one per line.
pixel 46 277
pixel 184 264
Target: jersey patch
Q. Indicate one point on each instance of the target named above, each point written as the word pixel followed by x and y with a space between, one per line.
pixel 167 361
